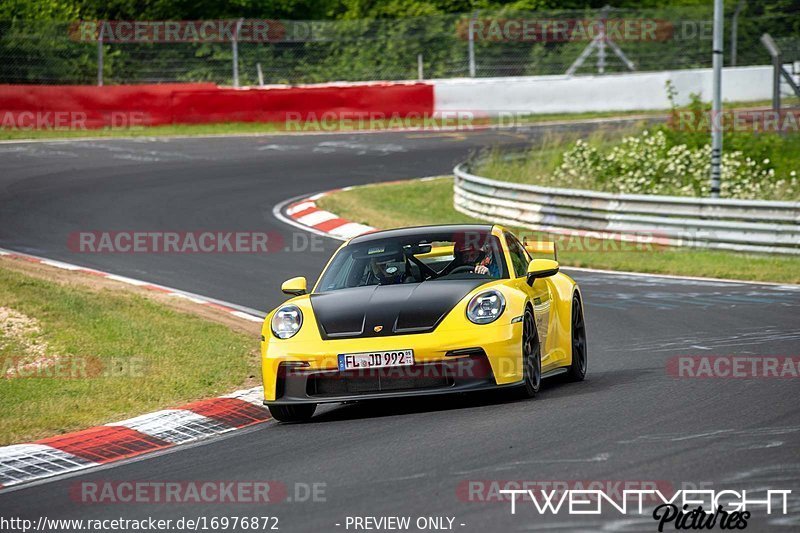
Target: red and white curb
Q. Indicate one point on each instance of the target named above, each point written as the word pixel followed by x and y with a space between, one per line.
pixel 21 463
pixel 306 213
pixel 62 454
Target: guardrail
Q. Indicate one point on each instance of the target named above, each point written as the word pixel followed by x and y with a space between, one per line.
pixel 741 225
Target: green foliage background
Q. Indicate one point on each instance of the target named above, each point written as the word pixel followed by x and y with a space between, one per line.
pixel 364 39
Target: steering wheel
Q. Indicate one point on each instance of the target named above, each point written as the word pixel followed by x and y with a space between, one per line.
pixel 462 269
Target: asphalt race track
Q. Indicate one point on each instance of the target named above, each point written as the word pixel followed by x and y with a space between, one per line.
pixel 629 421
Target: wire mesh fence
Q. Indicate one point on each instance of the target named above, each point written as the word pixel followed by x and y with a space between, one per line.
pixel 479 44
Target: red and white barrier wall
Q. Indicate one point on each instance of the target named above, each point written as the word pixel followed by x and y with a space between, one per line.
pixel 610 92
pixel 79 107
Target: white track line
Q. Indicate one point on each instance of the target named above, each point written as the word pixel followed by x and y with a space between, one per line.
pixel 235 309
pixel 791 286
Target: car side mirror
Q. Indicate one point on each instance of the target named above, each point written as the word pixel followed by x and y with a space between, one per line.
pixel 541 268
pixel 295 286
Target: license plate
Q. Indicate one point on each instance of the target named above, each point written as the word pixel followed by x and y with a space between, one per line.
pixel 355 361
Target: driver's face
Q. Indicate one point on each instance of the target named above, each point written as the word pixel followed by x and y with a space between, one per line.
pixel 470 256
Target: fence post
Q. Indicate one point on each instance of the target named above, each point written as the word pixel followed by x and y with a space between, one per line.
pixel 260 75
pixel 716 106
pixel 235 47
pixel 420 73
pixel 100 56
pixel 471 44
pixel 735 31
pixel 775 53
pixel 776 82
pixel 601 42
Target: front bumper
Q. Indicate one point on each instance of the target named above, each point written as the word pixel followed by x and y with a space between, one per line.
pixel 459 361
pixel 457 374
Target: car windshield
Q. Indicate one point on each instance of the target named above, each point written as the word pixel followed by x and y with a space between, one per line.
pixel 416 258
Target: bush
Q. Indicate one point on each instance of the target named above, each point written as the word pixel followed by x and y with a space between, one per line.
pixel 651 164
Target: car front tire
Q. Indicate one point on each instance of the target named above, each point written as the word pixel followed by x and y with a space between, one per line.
pixel 531 358
pixel 577 370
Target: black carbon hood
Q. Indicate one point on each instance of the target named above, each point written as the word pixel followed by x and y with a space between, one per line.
pixel 398 309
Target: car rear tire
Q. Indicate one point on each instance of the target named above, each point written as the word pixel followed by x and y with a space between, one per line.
pixel 531 358
pixel 292 413
pixel 577 370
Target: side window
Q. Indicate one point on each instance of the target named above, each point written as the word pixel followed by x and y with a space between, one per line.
pixel 519 257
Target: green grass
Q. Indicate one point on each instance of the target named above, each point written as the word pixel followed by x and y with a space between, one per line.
pixel 174 130
pixel 431 202
pixel 126 355
pixel 256 128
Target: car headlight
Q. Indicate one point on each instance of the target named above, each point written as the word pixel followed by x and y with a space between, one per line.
pixel 486 307
pixel 286 321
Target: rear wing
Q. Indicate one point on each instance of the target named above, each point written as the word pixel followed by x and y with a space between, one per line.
pixel 538 248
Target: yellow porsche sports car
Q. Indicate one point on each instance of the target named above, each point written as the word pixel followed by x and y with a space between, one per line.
pixel 423 311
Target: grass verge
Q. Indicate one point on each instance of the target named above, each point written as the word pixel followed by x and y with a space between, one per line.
pixel 265 128
pixel 79 353
pixel 417 202
pixel 256 128
pixel 670 158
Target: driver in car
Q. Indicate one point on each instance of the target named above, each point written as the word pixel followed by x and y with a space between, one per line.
pixel 480 259
pixel 487 264
pixel 392 269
